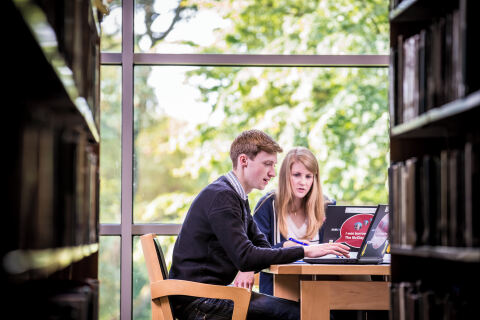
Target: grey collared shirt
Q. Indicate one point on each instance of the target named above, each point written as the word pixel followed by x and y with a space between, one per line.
pixel 232 178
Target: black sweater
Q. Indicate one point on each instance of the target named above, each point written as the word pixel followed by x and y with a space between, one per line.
pixel 219 237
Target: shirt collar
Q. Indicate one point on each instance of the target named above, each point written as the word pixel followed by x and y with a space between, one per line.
pixel 232 178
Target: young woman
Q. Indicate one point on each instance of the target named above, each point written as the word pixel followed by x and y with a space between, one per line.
pixel 296 210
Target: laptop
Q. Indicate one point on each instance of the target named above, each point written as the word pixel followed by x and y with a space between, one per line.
pixel 373 247
pixel 347 224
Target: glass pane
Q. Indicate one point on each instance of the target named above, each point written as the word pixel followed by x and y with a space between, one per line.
pixel 110 149
pixel 111 38
pixel 109 276
pixel 141 286
pixel 266 27
pixel 185 119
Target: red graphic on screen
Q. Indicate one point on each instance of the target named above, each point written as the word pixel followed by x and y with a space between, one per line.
pixel 354 229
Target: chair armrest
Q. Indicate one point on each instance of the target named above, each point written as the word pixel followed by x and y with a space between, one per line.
pixel 239 296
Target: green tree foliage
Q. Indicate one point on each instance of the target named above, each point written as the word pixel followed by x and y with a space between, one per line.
pixel 109 275
pixel 338 113
pixel 341 114
pixel 110 151
pixel 310 27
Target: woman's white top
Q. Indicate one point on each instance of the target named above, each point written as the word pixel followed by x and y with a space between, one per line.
pixel 298 232
pixel 293 230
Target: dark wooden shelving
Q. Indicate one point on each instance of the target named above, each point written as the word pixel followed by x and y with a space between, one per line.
pixel 434 176
pixel 49 58
pixel 49 251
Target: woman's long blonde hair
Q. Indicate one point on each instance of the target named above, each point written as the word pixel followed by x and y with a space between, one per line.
pixel 313 202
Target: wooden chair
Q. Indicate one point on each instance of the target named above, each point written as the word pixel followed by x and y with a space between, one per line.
pixel 161 287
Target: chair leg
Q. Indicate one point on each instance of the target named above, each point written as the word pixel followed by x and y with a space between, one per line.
pixel 157 312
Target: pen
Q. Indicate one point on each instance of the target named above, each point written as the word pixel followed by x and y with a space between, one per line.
pixel 299 242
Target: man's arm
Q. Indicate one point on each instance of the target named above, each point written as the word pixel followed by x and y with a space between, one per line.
pixel 257 237
pixel 226 220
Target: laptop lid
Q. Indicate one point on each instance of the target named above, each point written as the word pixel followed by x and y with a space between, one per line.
pixel 347 224
pixel 376 241
pixel 373 244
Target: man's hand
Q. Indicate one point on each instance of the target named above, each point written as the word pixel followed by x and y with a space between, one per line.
pixel 244 280
pixel 318 250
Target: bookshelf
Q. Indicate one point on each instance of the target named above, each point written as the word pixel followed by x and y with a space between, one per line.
pixel 434 175
pixel 49 252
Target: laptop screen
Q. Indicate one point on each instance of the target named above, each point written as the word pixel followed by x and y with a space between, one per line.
pixel 377 237
pixel 347 224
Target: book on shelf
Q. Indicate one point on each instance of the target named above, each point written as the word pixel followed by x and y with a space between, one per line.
pixel 472 190
pixel 412 302
pixel 80 189
pixel 58 204
pixel 94 284
pixel 458 83
pixel 411 202
pixel 442 223
pixel 391 221
pixel 44 217
pixel 433 199
pixel 395 210
pixel 67 148
pixel 402 288
pixel 470 26
pixel 93 195
pixel 431 56
pixel 410 78
pixel 399 83
pixel 430 65
pixel 392 90
pixel 422 72
pixel 417 300
pixel 429 196
pixel 403 227
pixel 28 186
pixel 76 300
pixel 457 198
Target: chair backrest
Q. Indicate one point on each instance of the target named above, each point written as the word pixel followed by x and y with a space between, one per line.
pixel 161 258
pixel 157 270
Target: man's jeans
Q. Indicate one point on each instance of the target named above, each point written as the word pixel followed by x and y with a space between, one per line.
pixel 262 307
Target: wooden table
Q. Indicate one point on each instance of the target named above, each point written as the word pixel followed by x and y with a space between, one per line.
pixel 319 289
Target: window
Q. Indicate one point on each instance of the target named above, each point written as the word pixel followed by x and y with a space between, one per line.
pixel 187 76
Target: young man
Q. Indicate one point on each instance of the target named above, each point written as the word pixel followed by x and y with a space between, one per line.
pixel 219 237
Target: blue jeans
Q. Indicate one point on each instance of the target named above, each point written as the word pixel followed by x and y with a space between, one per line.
pixel 262 307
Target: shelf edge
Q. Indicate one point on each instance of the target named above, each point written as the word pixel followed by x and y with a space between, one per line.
pixel 447 110
pixel 447 253
pixel 46 260
pixel 45 36
pixel 401 8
